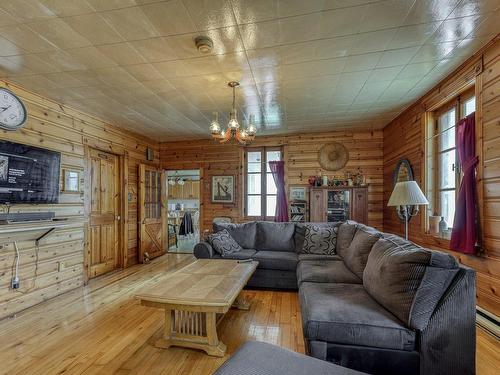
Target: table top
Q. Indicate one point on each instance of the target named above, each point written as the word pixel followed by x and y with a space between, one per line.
pixel 205 282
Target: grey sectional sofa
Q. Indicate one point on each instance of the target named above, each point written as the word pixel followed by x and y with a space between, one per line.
pixel 377 304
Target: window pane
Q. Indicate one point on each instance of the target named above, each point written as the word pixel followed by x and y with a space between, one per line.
pixel 254 167
pixel 270 185
pixel 447 139
pixel 469 106
pixel 446 172
pixel 254 205
pixel 254 157
pixel 447 120
pixel 254 184
pixel 272 156
pixel 447 200
pixel 271 205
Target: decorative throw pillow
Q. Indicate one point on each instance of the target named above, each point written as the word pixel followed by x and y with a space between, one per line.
pixel 223 243
pixel 320 239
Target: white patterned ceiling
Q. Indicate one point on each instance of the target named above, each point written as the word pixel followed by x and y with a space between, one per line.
pixel 303 65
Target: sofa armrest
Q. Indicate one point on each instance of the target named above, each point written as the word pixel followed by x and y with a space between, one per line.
pixel 448 343
pixel 203 250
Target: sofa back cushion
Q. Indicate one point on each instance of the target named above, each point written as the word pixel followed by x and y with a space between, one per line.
pixel 223 243
pixel 345 235
pixel 316 238
pixel 244 234
pixel 356 255
pixel 408 280
pixel 273 236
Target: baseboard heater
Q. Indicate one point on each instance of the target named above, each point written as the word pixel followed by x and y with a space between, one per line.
pixel 488 321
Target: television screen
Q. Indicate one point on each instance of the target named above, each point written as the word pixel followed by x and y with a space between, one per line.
pixel 28 174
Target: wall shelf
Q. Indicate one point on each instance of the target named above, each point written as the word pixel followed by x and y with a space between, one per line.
pixel 34 230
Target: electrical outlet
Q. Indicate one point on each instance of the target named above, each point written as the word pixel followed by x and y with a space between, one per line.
pixel 61 266
pixel 14 283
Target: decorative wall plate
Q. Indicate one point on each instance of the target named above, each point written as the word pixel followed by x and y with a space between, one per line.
pixel 333 156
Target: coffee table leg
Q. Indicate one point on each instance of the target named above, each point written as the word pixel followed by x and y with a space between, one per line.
pixel 241 303
pixel 164 342
pixel 215 347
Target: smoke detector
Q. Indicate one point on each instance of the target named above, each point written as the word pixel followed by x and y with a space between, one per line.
pixel 204 44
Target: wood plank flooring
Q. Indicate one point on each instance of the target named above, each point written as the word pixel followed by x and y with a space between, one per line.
pixel 102 329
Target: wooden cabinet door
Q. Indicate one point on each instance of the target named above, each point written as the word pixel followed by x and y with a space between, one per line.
pixel 360 205
pixel 317 208
pixel 152 212
pixel 104 241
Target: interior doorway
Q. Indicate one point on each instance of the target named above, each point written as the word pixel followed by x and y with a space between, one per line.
pixel 105 199
pixel 183 203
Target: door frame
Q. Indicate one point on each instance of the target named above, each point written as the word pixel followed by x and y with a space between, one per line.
pixel 123 210
pixel 201 171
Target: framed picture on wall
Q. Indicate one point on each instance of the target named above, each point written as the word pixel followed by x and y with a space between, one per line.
pixel 222 189
pixel 297 193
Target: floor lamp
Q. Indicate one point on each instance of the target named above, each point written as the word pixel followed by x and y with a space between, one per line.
pixel 404 195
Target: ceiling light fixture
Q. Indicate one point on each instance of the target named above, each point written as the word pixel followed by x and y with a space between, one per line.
pixel 233 131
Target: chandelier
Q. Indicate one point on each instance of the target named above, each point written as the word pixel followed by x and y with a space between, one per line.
pixel 233 132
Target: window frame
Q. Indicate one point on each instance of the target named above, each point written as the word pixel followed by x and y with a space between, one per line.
pixel 263 181
pixel 458 104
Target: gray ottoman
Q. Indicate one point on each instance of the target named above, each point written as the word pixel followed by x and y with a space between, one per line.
pixel 260 358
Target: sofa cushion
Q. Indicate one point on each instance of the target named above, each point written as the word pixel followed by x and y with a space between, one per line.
pixel 244 234
pixel 408 280
pixel 347 314
pixel 275 236
pixel 242 254
pixel 318 238
pixel 223 243
pixel 320 271
pixel 356 254
pixel 319 257
pixel 277 260
pixel 345 235
pixel 260 358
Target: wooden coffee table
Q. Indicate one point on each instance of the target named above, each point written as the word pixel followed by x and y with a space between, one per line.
pixel 195 298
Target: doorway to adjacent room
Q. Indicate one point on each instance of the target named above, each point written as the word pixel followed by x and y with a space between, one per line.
pixel 183 203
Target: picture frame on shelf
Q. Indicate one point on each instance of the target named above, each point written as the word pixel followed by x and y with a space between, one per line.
pixel 222 189
pixel 298 193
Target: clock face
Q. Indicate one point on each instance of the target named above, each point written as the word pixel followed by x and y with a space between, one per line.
pixel 12 111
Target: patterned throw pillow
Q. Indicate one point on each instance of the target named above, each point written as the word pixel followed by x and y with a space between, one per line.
pixel 320 239
pixel 223 243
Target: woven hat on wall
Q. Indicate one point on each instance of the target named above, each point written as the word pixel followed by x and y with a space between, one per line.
pixel 333 156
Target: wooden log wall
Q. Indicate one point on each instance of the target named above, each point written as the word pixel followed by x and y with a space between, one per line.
pixel 301 161
pixel 56 127
pixel 404 138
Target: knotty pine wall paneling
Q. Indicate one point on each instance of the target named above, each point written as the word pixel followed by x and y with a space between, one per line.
pixel 404 138
pixel 57 127
pixel 301 161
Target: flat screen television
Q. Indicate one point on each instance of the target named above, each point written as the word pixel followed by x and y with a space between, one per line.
pixel 28 174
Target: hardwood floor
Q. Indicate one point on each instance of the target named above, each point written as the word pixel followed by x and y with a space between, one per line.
pixel 102 329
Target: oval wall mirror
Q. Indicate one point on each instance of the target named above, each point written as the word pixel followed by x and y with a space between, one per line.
pixel 403 172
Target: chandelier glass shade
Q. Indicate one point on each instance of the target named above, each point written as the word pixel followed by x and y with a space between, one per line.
pixel 234 132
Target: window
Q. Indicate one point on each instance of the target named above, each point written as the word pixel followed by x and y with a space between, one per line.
pixel 260 187
pixel 443 169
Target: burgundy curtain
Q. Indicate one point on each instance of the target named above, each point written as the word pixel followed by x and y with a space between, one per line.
pixel 278 171
pixel 464 233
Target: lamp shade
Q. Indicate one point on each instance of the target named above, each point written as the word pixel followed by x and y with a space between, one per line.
pixel 407 193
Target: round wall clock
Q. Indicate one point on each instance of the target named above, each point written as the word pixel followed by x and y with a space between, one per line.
pixel 12 110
